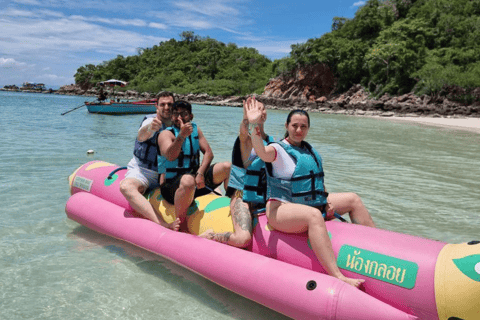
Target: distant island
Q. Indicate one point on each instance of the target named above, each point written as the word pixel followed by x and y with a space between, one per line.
pixel 28 87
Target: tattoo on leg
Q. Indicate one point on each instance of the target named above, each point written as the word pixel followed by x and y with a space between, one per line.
pixel 242 216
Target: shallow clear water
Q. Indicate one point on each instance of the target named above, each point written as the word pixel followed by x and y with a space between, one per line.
pixel 419 180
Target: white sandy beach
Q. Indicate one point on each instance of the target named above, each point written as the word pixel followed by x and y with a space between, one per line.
pixel 464 124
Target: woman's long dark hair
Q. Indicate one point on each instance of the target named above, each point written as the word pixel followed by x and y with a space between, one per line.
pixel 293 112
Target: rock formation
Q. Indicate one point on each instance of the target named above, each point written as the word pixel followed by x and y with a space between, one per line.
pixel 312 89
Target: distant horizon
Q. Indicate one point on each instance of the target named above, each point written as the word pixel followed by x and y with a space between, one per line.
pixel 47 41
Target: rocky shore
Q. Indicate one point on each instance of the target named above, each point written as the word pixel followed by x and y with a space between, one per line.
pixel 355 101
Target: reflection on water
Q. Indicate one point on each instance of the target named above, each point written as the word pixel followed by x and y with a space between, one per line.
pixel 413 179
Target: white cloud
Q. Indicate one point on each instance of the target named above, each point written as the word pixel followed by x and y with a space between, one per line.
pixel 11 12
pixel 204 14
pixel 47 37
pixel 113 21
pixel 51 77
pixel 10 63
pixel 212 8
pixel 51 13
pixel 359 3
pixel 29 2
pixel 157 25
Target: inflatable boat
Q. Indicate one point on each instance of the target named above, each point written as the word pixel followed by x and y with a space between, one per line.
pixel 406 277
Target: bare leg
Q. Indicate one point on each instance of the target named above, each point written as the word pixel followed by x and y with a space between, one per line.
pixel 242 223
pixel 184 196
pixel 132 189
pixel 350 202
pixel 296 218
pixel 221 173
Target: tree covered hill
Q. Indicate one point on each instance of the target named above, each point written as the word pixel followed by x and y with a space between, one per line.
pixel 397 46
pixel 191 65
pixel 390 46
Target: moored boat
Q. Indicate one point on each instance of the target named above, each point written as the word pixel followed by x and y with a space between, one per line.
pixel 127 107
pixel 406 277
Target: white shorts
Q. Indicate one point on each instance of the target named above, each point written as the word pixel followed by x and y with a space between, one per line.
pixel 148 178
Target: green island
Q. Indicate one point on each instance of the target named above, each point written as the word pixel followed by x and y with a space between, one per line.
pixel 394 46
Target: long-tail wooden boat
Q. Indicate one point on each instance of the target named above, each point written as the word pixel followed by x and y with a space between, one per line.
pixel 127 107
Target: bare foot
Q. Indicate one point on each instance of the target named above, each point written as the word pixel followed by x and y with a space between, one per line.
pixel 354 282
pixel 208 234
pixel 175 225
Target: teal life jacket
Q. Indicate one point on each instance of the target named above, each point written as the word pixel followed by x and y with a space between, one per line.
pixel 147 151
pixel 307 183
pixel 187 161
pixel 255 181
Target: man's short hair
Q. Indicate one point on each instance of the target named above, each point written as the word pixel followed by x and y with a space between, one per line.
pixel 183 105
pixel 165 94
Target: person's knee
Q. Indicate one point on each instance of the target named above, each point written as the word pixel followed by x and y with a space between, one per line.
pixel 355 200
pixel 315 216
pixel 223 168
pixel 127 188
pixel 187 182
pixel 226 166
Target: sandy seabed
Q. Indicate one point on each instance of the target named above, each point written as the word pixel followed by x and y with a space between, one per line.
pixel 464 124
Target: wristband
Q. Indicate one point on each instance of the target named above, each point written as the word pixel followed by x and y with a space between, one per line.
pixel 253 126
pixel 199 173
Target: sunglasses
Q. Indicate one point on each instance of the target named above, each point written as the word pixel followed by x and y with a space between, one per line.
pixel 182 114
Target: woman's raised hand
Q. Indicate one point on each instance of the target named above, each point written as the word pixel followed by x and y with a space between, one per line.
pixel 255 111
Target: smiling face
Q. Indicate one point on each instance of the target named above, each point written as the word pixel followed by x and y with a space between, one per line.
pixel 181 113
pixel 164 108
pixel 297 128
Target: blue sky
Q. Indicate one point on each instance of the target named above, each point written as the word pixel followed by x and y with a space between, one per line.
pixel 48 40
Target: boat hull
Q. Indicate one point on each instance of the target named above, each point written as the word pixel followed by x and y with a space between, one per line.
pixel 410 274
pixel 277 285
pixel 119 108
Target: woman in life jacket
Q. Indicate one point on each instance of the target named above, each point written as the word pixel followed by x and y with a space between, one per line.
pixel 296 196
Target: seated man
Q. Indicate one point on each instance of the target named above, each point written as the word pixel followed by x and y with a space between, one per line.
pixel 101 95
pixel 183 176
pixel 142 171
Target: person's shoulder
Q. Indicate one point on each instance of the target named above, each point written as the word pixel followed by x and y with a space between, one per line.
pixel 196 127
pixel 277 144
pixel 148 119
pixel 167 132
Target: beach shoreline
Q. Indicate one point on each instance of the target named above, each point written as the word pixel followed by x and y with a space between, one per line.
pixel 463 124
pixel 456 122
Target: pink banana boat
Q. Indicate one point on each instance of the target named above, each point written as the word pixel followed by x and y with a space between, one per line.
pixel 406 277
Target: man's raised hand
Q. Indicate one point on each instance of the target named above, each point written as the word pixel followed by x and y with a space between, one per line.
pixel 186 129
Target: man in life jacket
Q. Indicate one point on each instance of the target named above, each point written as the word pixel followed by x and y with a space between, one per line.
pixel 142 173
pixel 247 186
pixel 183 175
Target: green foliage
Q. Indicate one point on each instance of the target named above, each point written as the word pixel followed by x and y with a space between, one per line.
pixel 338 23
pixel 396 54
pixel 191 65
pixel 390 46
pixel 396 46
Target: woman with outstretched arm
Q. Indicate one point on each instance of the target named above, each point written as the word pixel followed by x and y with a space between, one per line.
pixel 296 192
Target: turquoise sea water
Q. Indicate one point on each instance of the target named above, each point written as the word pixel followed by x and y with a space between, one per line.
pixel 418 180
